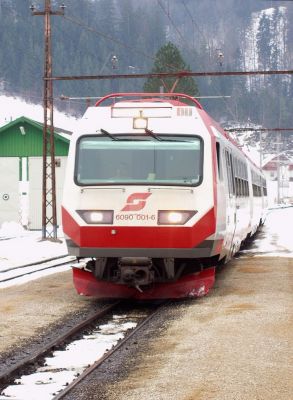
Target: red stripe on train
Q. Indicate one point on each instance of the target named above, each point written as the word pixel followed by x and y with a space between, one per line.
pixel 139 237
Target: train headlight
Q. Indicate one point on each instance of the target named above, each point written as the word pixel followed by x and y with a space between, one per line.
pixel 174 217
pixel 140 122
pixel 96 216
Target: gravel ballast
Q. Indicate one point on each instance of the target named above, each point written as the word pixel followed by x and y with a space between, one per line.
pixel 235 343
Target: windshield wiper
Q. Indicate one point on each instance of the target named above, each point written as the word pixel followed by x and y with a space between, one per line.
pixel 134 138
pixel 108 134
pixel 119 138
pixel 152 134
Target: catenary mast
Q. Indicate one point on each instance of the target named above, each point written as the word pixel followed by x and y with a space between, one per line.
pixel 49 214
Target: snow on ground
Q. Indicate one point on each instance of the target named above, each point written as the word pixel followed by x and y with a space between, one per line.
pixel 20 247
pixel 275 238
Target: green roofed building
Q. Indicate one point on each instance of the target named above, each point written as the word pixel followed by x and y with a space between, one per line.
pixel 21 151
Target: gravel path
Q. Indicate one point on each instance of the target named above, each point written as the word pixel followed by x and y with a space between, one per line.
pixel 236 343
pixel 28 310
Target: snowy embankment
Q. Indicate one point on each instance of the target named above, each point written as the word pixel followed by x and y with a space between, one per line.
pixel 20 247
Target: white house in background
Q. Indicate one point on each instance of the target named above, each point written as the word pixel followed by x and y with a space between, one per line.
pixel 270 169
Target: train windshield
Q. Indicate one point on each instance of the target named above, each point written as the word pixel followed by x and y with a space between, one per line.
pixel 160 160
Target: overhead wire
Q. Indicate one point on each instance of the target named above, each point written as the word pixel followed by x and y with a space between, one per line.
pixel 116 41
pixel 195 24
pixel 138 51
pixel 167 13
pixel 203 35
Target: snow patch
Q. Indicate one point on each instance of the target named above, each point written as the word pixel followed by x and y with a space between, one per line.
pixel 13 107
pixel 11 229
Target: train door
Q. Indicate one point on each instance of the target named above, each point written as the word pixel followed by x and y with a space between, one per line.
pixel 242 211
pixel 231 216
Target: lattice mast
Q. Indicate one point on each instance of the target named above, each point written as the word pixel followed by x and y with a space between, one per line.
pixel 49 214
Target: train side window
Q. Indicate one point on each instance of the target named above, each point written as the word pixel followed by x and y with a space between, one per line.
pixel 219 161
pixel 246 189
pixel 230 175
pixel 237 187
pixel 228 172
pixel 237 174
pixel 241 187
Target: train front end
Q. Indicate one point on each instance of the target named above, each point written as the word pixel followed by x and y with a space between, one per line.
pixel 138 208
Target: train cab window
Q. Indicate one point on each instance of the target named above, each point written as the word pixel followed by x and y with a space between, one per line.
pixel 128 159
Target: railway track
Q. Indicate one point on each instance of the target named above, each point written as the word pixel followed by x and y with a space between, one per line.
pixel 13 275
pixel 128 320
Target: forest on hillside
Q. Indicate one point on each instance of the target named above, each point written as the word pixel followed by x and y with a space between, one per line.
pixel 212 35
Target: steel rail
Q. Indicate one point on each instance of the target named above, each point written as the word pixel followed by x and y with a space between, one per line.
pixel 32 272
pixel 7 375
pixel 107 355
pixel 36 263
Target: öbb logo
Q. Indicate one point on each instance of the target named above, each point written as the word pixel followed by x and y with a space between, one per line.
pixel 136 202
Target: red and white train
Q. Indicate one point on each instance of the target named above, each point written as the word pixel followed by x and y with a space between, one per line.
pixel 156 196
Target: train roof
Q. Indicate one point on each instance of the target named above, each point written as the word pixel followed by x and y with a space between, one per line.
pixel 178 106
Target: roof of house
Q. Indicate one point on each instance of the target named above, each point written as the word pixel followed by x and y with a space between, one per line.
pixel 23 137
pixel 61 133
pixel 272 164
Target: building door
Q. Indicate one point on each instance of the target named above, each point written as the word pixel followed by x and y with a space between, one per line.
pixel 9 190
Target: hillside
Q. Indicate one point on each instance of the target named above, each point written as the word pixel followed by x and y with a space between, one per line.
pixel 212 35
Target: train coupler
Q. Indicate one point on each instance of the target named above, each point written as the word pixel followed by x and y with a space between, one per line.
pixel 135 271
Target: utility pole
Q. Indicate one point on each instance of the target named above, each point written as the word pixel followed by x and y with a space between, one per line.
pixel 260 150
pixel 49 215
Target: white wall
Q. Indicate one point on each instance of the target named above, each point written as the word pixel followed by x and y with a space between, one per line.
pixel 286 191
pixel 35 190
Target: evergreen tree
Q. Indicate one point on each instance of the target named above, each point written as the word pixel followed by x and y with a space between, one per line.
pixel 169 59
